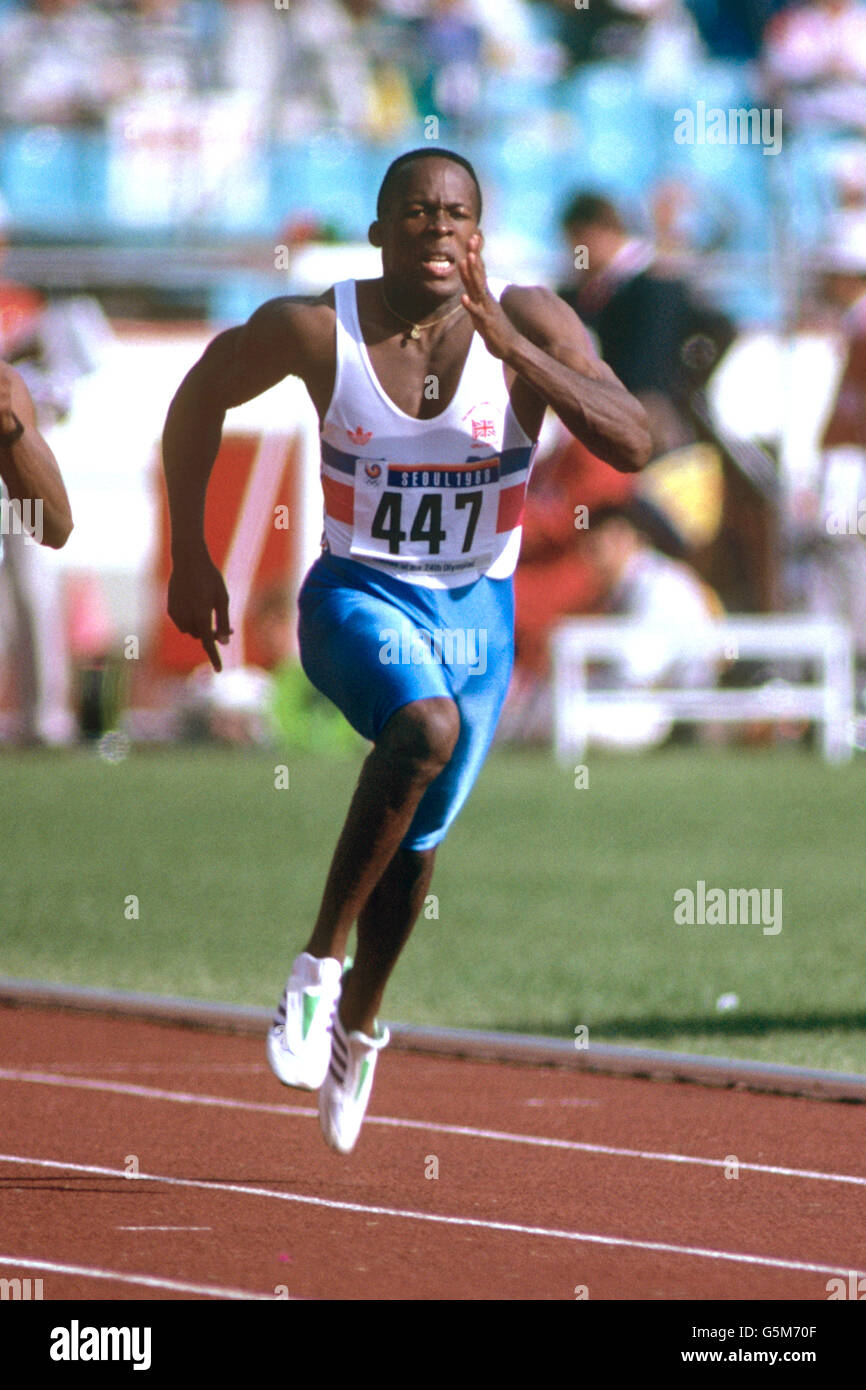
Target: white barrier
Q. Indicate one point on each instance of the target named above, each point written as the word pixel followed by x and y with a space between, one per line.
pixel 827 698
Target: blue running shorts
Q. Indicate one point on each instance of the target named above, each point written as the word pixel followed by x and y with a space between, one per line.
pixel 373 643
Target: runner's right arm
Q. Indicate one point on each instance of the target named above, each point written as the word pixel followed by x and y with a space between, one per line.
pixel 284 337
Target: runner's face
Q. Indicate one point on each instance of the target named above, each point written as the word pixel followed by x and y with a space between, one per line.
pixel 426 226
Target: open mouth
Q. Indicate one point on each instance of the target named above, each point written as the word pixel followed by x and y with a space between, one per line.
pixel 438 263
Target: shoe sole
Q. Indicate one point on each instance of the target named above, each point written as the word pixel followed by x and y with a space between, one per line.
pixel 299 1078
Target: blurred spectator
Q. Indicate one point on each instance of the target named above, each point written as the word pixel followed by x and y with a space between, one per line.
pixel 652 329
pixel 654 34
pixel 341 67
pixel 554 577
pixel 513 44
pixel 252 40
pixel 734 29
pixel 20 306
pixel 662 343
pixel 640 582
pixel 847 168
pixel 161 47
pixel 688 222
pixel 448 61
pixel 596 31
pixel 838 572
pixel 669 46
pixel 815 64
pixel 57 63
pixel 236 708
pixel 460 47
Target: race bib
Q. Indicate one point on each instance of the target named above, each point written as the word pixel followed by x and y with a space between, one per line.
pixel 427 518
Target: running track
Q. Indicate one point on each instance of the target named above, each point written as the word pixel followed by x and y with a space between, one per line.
pixel 550 1182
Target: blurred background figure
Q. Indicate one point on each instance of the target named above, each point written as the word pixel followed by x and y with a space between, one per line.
pixel 660 36
pixel 814 63
pixel 640 581
pixel 58 63
pixel 651 327
pixel 449 49
pixel 239 705
pixel 163 48
pixel 836 573
pixel 555 577
pixel 734 30
pixel 330 64
pixel 20 306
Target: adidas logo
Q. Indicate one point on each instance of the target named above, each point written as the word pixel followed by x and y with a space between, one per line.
pixel 360 435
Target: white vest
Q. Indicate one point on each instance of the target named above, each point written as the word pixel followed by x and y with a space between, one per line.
pixel 434 502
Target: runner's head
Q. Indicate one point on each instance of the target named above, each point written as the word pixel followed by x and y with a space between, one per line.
pixel 429 205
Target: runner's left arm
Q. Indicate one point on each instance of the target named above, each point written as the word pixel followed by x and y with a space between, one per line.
pixel 547 346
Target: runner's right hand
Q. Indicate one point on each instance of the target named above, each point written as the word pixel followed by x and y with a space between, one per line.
pixel 198 603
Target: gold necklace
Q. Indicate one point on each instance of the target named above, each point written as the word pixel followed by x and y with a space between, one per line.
pixel 417 328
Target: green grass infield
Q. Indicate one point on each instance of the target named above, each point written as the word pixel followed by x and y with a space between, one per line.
pixel 560 900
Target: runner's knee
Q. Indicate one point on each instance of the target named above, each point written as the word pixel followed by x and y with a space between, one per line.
pixel 423 734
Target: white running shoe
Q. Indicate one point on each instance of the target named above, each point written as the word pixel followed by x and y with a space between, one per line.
pixel 346 1089
pixel 299 1042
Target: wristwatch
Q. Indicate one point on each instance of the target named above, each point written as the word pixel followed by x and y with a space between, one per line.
pixel 12 436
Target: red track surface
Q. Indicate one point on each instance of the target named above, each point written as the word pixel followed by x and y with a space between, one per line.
pixel 321 1226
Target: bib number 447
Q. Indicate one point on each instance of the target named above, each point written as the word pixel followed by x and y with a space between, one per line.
pixel 427 523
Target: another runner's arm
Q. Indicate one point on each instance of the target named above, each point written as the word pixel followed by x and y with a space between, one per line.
pixel 28 466
pixel 545 343
pixel 239 364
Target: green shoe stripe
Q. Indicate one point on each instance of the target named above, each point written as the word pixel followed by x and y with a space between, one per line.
pixel 311 1003
pixel 365 1067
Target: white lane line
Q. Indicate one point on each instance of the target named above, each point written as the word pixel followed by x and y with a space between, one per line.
pixel 70 1068
pixel 428 1126
pixel 163 1228
pixel 562 1101
pixel 150 1281
pixel 332 1204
